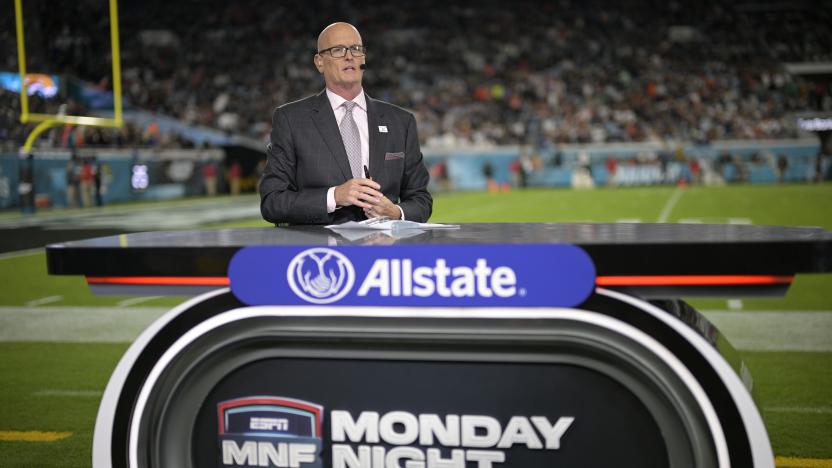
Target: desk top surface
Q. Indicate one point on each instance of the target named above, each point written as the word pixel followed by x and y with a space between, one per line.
pixel 479 233
pixel 615 248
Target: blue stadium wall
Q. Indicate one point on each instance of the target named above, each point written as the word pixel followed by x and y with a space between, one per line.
pixel 178 173
pixel 171 174
pixel 465 167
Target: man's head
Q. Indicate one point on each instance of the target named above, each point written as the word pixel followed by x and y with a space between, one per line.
pixel 340 73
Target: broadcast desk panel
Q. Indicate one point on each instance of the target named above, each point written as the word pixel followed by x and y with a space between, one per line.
pixel 492 345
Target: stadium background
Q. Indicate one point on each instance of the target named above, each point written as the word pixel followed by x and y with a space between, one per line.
pixel 633 111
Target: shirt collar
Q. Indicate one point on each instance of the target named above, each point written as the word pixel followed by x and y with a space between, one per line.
pixel 335 100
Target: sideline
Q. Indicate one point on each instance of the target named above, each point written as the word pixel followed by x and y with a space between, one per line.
pixel 799 409
pixel 745 330
pixel 76 324
pixel 68 393
pixel 775 330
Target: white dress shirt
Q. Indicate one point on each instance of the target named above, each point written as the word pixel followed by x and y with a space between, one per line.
pixel 359 114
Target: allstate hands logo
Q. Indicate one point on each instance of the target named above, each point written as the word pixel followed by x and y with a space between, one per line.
pixel 320 275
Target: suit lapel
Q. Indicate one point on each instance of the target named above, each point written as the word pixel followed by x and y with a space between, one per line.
pixel 378 140
pixel 324 119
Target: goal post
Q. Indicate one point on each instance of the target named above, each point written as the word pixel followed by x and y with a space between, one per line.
pixel 46 121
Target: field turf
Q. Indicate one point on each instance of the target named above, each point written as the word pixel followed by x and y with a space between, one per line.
pixel 50 390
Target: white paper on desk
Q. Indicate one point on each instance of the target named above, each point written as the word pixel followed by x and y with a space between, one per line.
pixel 392 225
pixel 371 235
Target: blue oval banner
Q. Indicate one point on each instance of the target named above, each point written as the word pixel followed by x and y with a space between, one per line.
pixel 553 275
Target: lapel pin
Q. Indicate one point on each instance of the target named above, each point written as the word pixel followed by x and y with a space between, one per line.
pixel 382 129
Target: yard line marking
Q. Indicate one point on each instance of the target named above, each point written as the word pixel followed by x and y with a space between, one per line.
pixel 32 436
pixel 100 309
pixel 690 221
pixel 135 300
pixel 739 220
pixel 791 462
pixel 628 220
pixel 44 300
pixel 708 311
pixel 21 253
pixel 668 207
pixel 799 409
pixel 68 393
pixel 735 304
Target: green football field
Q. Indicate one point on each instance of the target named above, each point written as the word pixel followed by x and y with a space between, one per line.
pixel 54 366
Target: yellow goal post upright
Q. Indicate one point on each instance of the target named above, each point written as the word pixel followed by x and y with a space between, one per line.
pixel 48 121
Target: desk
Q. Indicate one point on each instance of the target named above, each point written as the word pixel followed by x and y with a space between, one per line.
pixel 632 376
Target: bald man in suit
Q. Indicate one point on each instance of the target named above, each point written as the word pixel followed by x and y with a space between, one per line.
pixel 340 155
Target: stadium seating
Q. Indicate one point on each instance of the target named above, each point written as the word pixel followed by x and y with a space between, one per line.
pixel 567 72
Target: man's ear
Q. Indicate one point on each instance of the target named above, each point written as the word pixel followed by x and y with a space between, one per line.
pixel 319 63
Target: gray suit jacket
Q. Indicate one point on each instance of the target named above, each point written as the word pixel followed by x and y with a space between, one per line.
pixel 306 157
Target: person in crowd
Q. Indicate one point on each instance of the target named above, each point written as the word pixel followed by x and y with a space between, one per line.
pixel 235 173
pixel 26 185
pixel 97 175
pixel 341 155
pixel 209 178
pixel 488 174
pixel 86 183
pixel 612 168
pixel 782 167
pixel 73 181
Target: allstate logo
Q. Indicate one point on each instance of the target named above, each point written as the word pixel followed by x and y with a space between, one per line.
pixel 320 275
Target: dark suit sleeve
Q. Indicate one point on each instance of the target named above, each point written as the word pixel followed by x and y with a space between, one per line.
pixel 281 199
pixel 414 198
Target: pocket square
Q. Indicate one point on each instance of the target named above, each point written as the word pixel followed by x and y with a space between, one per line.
pixel 393 156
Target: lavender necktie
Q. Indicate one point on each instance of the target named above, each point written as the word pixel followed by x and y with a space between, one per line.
pixel 352 140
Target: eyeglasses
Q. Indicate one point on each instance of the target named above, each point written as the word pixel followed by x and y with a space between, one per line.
pixel 357 50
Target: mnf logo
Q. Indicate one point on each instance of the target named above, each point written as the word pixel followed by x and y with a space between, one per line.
pixel 554 275
pixel 269 431
pixel 286 433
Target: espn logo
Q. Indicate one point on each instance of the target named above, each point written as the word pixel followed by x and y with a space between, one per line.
pixel 269 424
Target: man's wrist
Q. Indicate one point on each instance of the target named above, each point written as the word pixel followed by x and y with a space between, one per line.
pixel 330 200
pixel 400 211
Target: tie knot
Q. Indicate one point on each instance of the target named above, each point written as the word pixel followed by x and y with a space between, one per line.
pixel 348 105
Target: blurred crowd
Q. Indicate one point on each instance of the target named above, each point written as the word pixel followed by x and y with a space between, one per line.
pixel 475 73
pixel 12 134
